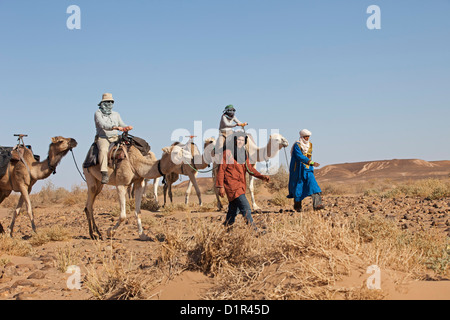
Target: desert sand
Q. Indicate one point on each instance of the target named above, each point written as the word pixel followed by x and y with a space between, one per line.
pixel 39 274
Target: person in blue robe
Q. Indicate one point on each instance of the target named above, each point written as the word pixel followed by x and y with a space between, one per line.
pixel 302 182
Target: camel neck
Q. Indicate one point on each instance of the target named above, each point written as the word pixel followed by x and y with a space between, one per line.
pixel 263 154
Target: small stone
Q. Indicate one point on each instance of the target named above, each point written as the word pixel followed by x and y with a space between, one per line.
pixel 37 275
pixel 25 296
pixel 22 283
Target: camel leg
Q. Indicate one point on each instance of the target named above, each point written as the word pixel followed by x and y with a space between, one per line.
pixel 144 187
pixel 130 191
pixel 26 199
pixel 15 215
pixel 251 179
pixel 93 190
pixel 165 187
pixel 219 203
pixel 138 192
pixel 193 181
pixel 170 191
pixel 121 191
pixel 188 191
pixel 155 189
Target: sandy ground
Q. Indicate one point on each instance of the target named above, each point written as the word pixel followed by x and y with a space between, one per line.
pixel 37 277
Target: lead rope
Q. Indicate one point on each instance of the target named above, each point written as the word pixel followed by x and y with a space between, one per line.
pixel 285 155
pixel 73 156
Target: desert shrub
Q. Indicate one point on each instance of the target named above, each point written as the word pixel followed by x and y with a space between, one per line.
pixel 279 199
pixel 175 207
pixel 116 277
pixel 49 194
pixel 279 181
pixel 400 249
pixel 149 204
pixel 301 256
pixel 431 189
pixel 14 246
pixel 45 235
pixel 66 257
pixel 77 195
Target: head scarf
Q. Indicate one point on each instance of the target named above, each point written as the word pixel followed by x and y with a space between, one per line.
pixel 229 111
pixel 106 107
pixel 304 145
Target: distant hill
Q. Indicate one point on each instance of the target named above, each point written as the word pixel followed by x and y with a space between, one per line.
pixel 395 169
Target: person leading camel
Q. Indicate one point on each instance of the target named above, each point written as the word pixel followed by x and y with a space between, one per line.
pixel 231 180
pixel 302 182
pixel 107 123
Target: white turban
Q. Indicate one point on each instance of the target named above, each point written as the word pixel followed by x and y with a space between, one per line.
pixel 305 132
pixel 304 145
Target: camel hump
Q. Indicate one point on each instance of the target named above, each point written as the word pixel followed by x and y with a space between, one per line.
pixel 21 152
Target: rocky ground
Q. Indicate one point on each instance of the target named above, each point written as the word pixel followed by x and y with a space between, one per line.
pixel 39 275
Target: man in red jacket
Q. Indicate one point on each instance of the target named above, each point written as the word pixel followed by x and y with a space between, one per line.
pixel 231 179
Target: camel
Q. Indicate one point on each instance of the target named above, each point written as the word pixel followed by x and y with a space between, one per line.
pixel 133 169
pixel 23 174
pixel 190 169
pixel 256 154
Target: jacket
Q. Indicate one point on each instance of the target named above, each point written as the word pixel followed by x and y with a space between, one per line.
pixel 231 175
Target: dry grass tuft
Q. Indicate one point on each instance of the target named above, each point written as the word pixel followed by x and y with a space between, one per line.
pixel 116 277
pixel 301 256
pixel 14 246
pixel 66 257
pixel 388 246
pixel 45 235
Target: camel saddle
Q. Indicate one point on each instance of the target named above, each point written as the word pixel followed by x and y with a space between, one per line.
pixel 8 154
pixel 117 151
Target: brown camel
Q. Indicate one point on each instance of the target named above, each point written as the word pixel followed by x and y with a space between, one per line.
pixel 256 154
pixel 23 174
pixel 131 170
pixel 190 169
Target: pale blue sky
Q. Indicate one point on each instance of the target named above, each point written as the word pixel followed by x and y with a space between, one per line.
pixel 287 65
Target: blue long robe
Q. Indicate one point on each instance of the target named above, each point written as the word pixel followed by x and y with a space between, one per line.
pixel 302 182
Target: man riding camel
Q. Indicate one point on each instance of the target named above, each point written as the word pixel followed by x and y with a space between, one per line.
pixel 228 121
pixel 107 123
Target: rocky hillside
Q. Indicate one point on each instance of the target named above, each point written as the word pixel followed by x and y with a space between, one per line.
pixel 396 169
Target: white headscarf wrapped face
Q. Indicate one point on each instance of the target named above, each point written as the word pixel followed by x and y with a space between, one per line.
pixel 304 145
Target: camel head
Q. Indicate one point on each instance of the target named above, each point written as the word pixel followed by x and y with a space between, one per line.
pixel 177 154
pixel 209 141
pixel 208 150
pixel 60 146
pixel 278 140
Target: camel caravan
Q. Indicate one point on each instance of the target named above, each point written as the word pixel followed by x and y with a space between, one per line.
pixel 119 159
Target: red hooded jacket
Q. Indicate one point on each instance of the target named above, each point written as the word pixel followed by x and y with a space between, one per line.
pixel 231 175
